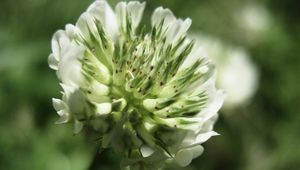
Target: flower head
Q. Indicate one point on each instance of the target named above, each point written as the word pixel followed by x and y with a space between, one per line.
pixel 149 95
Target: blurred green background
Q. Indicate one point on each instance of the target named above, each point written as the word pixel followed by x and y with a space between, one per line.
pixel 263 134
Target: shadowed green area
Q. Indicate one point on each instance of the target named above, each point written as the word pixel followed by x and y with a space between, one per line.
pixel 260 135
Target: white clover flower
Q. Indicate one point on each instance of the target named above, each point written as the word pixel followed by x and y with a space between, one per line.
pixel 237 74
pixel 148 95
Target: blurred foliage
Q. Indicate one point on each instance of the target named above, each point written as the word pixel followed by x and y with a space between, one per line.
pixel 262 135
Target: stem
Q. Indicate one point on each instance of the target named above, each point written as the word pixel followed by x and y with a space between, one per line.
pixel 99 160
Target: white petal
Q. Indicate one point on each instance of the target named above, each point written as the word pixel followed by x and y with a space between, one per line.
pixel 197 150
pixel 208 125
pixel 146 151
pixel 53 62
pixel 196 54
pixel 205 84
pixel 71 31
pixel 150 104
pixel 121 14
pixel 189 139
pixel 136 9
pixel 64 117
pixel 58 104
pixel 63 113
pixel 86 25
pixel 193 123
pixel 69 69
pixel 184 157
pixel 214 105
pixel 177 30
pixel 99 89
pixel 55 44
pixel 58 42
pixel 103 108
pixel 162 14
pixel 201 138
pixel 101 10
pixel 184 26
pixel 68 90
pixel 77 102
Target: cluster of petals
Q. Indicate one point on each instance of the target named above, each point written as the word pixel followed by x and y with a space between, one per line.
pixel 149 95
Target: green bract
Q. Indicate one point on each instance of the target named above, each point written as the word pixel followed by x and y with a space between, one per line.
pixel 148 95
